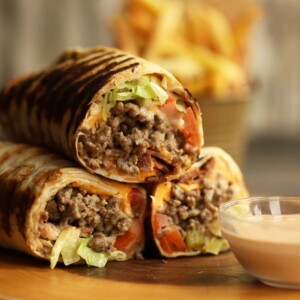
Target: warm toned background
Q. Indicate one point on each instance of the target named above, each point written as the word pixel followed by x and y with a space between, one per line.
pixel 33 32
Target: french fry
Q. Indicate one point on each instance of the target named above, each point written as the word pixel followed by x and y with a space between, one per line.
pixel 167 26
pixel 211 28
pixel 242 29
pixel 202 42
pixel 140 18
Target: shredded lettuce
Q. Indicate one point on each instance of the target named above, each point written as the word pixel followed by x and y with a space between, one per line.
pixel 215 245
pixel 214 227
pixel 69 253
pixel 65 243
pixel 160 94
pixel 180 106
pixel 195 239
pixel 117 255
pixel 144 91
pixel 72 248
pixel 91 257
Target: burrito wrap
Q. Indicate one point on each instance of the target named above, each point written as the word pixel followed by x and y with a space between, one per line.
pixel 74 106
pixel 184 212
pixel 42 193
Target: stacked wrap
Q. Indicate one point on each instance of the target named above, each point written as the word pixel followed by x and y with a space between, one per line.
pixel 116 114
pixel 184 212
pixel 42 195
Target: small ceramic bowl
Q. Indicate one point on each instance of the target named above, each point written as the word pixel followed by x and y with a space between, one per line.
pixel 264 235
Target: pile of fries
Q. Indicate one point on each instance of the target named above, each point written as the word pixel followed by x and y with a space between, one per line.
pixel 204 43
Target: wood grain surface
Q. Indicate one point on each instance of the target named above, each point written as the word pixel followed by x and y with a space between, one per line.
pixel 207 277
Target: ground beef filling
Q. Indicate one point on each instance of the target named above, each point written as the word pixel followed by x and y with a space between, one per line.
pixel 125 139
pixel 194 209
pixel 97 216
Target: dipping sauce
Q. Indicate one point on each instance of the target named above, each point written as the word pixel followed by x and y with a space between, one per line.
pixel 268 247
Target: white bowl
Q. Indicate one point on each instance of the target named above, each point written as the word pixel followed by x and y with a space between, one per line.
pixel 264 235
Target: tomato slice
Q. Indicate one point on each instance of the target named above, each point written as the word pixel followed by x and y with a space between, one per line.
pixel 170 109
pixel 137 200
pixel 190 130
pixel 165 245
pixel 135 235
pixel 159 222
pixel 130 239
pixel 171 241
pixel 190 127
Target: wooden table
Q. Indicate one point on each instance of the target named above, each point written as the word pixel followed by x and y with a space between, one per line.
pixel 208 277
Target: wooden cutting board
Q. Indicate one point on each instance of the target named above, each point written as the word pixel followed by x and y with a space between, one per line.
pixel 206 277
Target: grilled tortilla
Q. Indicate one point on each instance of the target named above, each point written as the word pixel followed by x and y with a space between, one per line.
pixel 184 212
pixel 116 114
pixel 52 209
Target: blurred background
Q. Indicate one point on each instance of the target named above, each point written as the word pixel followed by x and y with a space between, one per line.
pixel 239 58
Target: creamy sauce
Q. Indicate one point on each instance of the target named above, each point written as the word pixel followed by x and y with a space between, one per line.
pixel 270 249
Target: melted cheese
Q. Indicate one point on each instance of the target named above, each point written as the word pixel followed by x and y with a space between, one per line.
pixel 162 193
pixel 189 187
pixel 93 119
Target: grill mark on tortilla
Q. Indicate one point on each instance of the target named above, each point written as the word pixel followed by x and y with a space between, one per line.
pixel 15 150
pixel 77 55
pixel 16 185
pixel 64 97
pixel 74 89
pixel 17 192
pixel 67 78
pixel 7 94
pixel 50 80
pixel 5 156
pixel 27 199
pixel 22 94
pixel 12 93
pixel 10 188
pixel 75 69
pixel 5 204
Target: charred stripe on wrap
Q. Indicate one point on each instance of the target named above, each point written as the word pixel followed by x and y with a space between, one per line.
pixel 24 203
pixel 7 191
pixel 76 55
pixel 10 185
pixel 25 92
pixel 75 71
pixel 12 93
pixel 18 184
pixel 58 77
pixel 66 79
pixel 66 96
